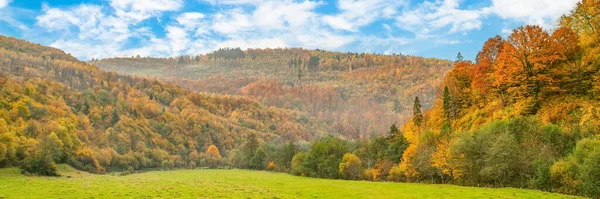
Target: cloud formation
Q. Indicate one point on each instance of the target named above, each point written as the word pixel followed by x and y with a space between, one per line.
pixel 178 27
pixel 4 3
pixel 540 12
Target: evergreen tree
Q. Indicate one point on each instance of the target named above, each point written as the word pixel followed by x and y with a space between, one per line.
pixel 250 147
pixel 258 162
pixel 447 107
pixel 289 151
pixel 299 71
pixel 417 114
pixel 115 117
pixel 85 108
pixel 459 57
pixel 313 63
pixel 446 103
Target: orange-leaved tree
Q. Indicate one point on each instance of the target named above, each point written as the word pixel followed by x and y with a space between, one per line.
pixel 524 67
pixel 213 156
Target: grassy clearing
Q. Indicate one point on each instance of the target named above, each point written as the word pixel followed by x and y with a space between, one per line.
pixel 230 184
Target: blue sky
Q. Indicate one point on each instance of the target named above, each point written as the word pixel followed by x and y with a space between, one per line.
pixel 430 28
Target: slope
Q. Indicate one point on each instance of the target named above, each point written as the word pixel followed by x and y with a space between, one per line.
pixel 525 114
pixel 357 95
pixel 58 109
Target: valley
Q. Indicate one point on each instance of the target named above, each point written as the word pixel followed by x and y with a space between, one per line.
pixel 520 119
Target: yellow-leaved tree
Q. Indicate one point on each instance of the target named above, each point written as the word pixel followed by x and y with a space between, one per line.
pixel 350 166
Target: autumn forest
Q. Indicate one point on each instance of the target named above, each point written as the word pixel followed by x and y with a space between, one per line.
pixel 525 113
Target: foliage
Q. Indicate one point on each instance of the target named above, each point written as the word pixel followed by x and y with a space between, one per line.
pixel 98 121
pixel 324 158
pixel 258 162
pixel 578 173
pixel 519 116
pixel 417 114
pixel 40 166
pixel 524 114
pixel 343 90
pixel 214 157
pixel 271 166
pixel 350 167
pixel 298 164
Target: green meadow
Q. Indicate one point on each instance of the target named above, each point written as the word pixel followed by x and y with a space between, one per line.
pixel 230 184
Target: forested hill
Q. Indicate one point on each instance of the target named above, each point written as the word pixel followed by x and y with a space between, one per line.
pixel 526 113
pixel 56 109
pixel 357 95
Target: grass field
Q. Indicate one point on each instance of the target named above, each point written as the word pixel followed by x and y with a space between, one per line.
pixel 230 184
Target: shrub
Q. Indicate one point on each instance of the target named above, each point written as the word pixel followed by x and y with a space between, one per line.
pixel 350 167
pixel 39 165
pixel 396 174
pixel 298 163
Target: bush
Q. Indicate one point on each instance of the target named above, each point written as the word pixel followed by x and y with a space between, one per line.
pixel 372 174
pixel 579 172
pixel 271 166
pixel 350 167
pixel 258 162
pixel 39 166
pixel 396 174
pixel 298 163
pixel 324 158
pixel 84 160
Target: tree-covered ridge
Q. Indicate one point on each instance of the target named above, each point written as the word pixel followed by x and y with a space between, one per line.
pixel 57 109
pixel 357 95
pixel 524 114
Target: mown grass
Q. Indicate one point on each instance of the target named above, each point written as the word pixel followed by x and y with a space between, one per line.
pixel 230 184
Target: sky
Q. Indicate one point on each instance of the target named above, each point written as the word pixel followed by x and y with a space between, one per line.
pixel 163 28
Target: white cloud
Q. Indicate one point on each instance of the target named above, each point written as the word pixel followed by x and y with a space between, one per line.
pixel 91 31
pixel 358 13
pixel 11 17
pixel 448 42
pixel 276 24
pixel 233 2
pixel 232 22
pixel 88 21
pixel 278 15
pixel 147 6
pixel 190 19
pixel 433 16
pixel 139 10
pixel 4 3
pixel 537 12
pixel 323 40
pixel 178 39
pixel 338 22
pixel 254 43
pixel 194 22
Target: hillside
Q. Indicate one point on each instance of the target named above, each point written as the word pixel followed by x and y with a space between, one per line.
pixel 55 108
pixel 524 114
pixel 356 95
pixel 232 184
